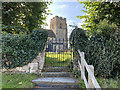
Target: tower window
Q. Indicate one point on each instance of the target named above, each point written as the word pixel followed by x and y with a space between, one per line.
pixel 60 25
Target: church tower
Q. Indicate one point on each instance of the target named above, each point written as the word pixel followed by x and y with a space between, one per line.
pixel 59 27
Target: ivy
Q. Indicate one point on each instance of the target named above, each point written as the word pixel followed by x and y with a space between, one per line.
pixel 19 50
pixel 100 51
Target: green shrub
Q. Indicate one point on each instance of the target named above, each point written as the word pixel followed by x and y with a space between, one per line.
pixel 78 39
pixel 104 55
pixel 19 50
pixel 100 51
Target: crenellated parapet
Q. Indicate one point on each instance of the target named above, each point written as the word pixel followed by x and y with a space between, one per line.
pixel 57 17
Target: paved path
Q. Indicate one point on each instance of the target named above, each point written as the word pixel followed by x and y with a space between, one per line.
pixel 56 80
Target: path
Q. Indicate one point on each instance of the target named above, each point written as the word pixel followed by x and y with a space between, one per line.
pixel 56 78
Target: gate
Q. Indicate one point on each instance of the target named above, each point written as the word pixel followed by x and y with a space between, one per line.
pixel 58 53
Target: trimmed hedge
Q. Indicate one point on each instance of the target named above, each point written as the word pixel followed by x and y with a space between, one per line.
pixel 19 50
pixel 78 39
pixel 104 54
pixel 100 51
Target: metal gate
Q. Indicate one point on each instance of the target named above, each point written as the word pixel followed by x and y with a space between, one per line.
pixel 58 53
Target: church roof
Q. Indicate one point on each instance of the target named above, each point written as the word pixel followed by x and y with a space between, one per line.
pixel 51 33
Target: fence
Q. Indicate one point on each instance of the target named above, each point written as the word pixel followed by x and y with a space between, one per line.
pixel 92 82
pixel 58 53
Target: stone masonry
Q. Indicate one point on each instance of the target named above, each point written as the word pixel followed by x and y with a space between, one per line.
pixel 59 27
pixel 35 66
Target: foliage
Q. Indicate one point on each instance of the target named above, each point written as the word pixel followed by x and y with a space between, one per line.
pixel 100 51
pixel 104 28
pixel 103 54
pixel 98 11
pixel 108 83
pixel 18 80
pixel 19 50
pixel 78 39
pixel 23 17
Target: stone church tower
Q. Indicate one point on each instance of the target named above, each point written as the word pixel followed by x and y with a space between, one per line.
pixel 59 27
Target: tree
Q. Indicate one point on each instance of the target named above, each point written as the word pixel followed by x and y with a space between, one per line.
pixel 23 16
pixel 99 11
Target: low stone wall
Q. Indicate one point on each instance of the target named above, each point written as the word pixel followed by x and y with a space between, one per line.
pixel 35 66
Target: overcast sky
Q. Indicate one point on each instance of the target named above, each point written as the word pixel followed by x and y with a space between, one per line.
pixel 68 10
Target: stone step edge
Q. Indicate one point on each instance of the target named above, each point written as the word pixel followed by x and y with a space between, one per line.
pixel 54 83
pixel 58 85
pixel 56 73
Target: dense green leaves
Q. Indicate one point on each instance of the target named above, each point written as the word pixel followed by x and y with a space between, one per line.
pixel 99 11
pixel 78 39
pixel 19 50
pixel 104 55
pixel 100 51
pixel 23 17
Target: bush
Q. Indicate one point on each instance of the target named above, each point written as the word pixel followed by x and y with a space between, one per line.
pixel 19 50
pixel 100 51
pixel 78 39
pixel 103 54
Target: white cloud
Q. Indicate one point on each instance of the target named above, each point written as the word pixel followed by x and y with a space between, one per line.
pixel 76 6
pixel 63 6
pixel 70 21
pixel 64 0
pixel 49 17
pixel 79 25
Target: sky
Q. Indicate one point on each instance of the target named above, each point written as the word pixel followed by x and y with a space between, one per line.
pixel 68 10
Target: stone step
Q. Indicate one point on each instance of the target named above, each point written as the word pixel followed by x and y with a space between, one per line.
pixel 56 69
pixel 67 86
pixel 56 74
pixel 44 88
pixel 56 81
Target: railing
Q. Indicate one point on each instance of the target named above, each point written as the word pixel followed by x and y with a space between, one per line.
pixel 92 82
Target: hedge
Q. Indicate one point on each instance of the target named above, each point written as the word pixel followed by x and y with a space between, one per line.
pixel 78 39
pixel 19 50
pixel 101 52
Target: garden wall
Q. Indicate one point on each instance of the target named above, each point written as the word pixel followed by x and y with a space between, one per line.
pixel 35 66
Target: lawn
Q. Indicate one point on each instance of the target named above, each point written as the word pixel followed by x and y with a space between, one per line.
pixel 56 60
pixel 108 83
pixel 18 80
pixel 103 82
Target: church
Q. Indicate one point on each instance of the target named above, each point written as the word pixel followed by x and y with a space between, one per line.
pixel 57 34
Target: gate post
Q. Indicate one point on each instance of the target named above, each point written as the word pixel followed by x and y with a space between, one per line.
pixel 89 79
pixel 75 59
pixel 82 64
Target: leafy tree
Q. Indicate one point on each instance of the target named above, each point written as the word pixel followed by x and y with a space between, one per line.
pixel 99 11
pixel 105 29
pixel 23 16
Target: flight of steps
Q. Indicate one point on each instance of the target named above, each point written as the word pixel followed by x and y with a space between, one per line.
pixel 56 78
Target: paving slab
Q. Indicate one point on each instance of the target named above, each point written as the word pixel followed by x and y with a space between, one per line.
pixel 56 80
pixel 56 69
pixel 40 88
pixel 56 74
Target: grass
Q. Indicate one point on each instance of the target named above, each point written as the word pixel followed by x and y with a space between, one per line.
pixel 108 83
pixel 103 82
pixel 56 60
pixel 18 80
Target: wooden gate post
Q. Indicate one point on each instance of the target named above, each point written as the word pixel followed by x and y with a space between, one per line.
pixel 82 64
pixel 75 59
pixel 89 79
